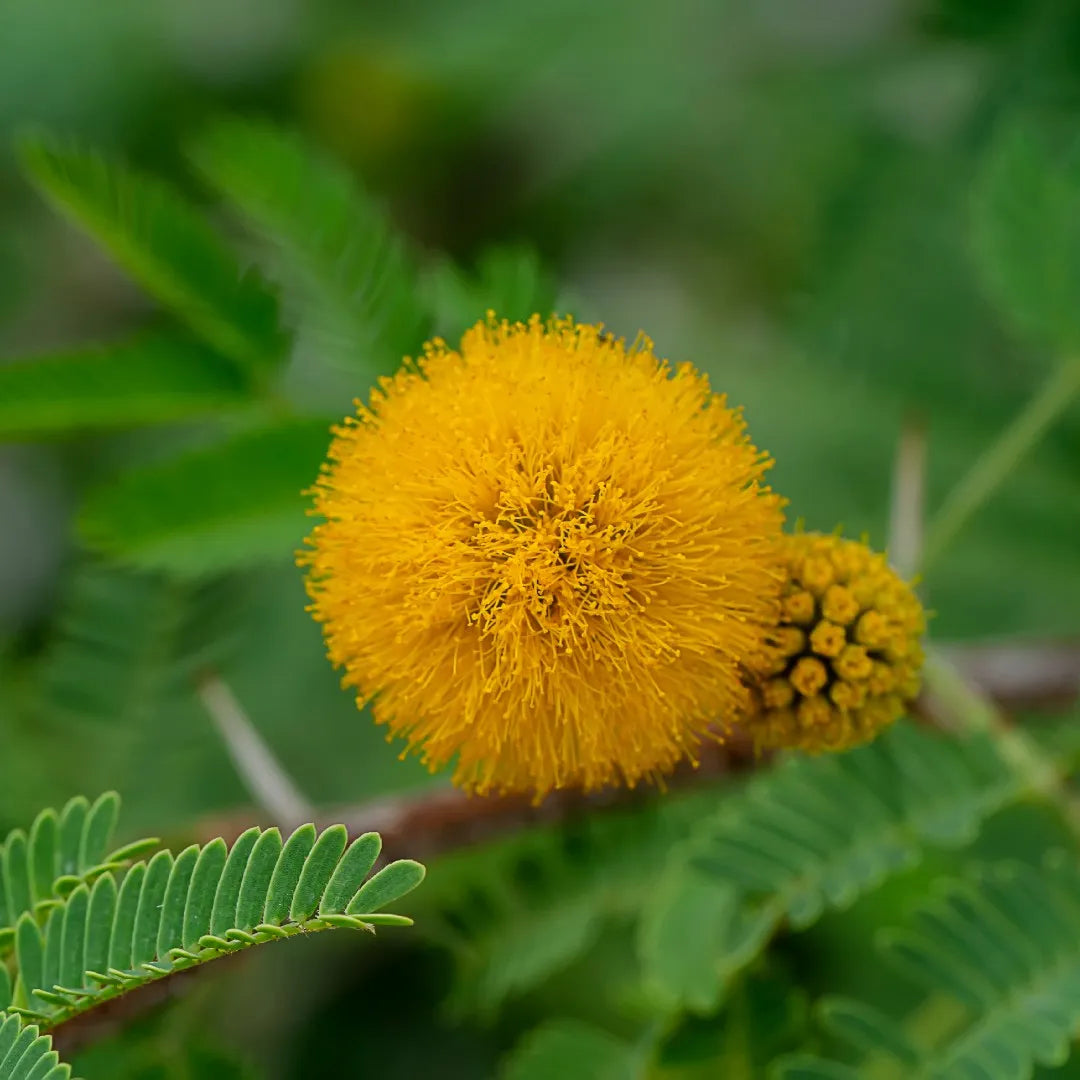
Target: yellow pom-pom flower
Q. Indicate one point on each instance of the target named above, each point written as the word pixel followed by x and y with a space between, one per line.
pixel 845 660
pixel 547 553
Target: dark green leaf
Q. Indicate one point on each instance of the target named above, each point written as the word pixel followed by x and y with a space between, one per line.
pixel 167 247
pixel 212 509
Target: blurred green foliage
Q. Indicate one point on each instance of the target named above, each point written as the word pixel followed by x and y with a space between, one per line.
pixel 848 213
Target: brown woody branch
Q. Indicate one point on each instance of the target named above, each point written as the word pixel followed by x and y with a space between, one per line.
pixel 1018 676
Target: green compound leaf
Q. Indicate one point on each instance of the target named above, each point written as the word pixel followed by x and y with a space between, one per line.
pixel 568 1048
pixel 1005 944
pixel 814 834
pixel 26 1054
pixel 127 642
pixel 172 914
pixel 213 509
pixel 64 851
pixel 353 283
pixel 511 281
pixel 520 910
pixel 1027 233
pixel 147 381
pixel 166 245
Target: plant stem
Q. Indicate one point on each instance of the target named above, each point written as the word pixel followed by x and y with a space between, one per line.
pixel 1002 456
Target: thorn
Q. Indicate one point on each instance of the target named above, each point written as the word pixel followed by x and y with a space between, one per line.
pixel 269 784
pixel 906 515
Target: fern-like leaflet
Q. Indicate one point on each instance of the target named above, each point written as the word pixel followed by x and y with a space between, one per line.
pixel 779 850
pixel 62 852
pixel 173 913
pixel 1003 947
pixel 812 834
pixel 26 1054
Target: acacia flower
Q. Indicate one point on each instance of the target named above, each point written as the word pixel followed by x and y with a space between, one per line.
pixel 547 553
pixel 845 660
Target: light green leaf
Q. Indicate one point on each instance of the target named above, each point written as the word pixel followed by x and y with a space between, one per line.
pixel 166 245
pixel 355 288
pixel 125 643
pixel 169 915
pixel 682 938
pixel 233 504
pixel 152 380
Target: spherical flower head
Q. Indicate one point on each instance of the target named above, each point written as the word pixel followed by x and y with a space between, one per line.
pixel 547 553
pixel 845 660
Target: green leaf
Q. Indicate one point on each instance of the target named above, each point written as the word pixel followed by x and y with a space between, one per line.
pixel 682 938
pixel 149 913
pixel 867 1029
pixel 127 907
pixel 511 281
pixel 64 851
pixel 232 877
pixel 286 874
pixel 27 1055
pixel 519 911
pixel 211 509
pixel 355 288
pixel 170 915
pixel 99 919
pixel 153 380
pixel 350 873
pixel 73 946
pixel 1027 233
pixel 569 1048
pixel 817 833
pixel 44 854
pixel 171 926
pixel 1006 945
pixel 126 643
pixel 202 890
pixel 318 869
pixel 30 948
pixel 166 245
pixel 255 888
pixel 805 1067
pixel 388 885
pixel 18 897
pixel 98 830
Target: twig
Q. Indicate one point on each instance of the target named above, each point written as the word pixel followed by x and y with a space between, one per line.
pixel 436 820
pixel 908 494
pixel 269 784
pixel 1001 457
